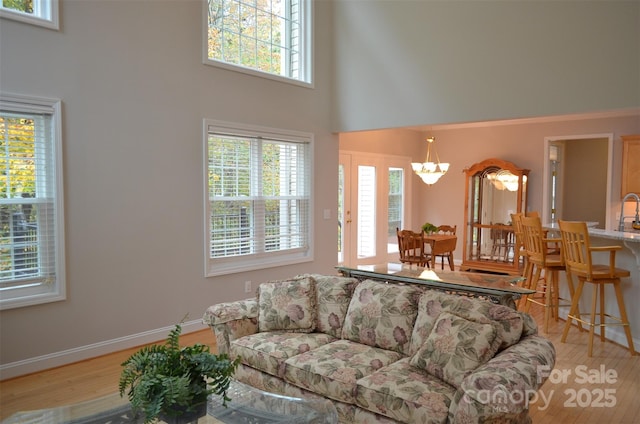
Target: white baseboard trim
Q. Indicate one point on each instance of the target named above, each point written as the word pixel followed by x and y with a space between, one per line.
pixel 65 357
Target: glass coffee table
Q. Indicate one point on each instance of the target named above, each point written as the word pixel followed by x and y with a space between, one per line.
pixel 248 405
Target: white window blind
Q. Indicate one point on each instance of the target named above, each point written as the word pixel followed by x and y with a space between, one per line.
pixel 366 211
pixel 258 198
pixel 31 256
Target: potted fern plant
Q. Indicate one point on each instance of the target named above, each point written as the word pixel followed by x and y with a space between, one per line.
pixel 173 383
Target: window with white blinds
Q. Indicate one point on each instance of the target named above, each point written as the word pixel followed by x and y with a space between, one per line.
pixel 31 233
pixel 258 205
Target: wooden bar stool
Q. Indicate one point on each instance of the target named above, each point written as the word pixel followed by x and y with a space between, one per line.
pixel 538 248
pixel 521 252
pixel 577 249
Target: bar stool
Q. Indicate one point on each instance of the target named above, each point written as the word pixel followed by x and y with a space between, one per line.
pixel 521 252
pixel 538 248
pixel 577 250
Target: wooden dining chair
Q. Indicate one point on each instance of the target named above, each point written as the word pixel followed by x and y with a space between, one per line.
pixel 446 247
pixel 503 242
pixel 577 252
pixel 411 246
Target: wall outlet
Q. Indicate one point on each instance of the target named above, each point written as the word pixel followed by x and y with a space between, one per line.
pixel 247 286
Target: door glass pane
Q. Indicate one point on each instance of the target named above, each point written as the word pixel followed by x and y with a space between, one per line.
pixel 396 209
pixel 366 211
pixel 340 214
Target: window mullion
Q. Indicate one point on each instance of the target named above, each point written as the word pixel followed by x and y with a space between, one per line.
pixel 257 187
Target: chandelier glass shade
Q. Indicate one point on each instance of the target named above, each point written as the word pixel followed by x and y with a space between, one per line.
pixel 504 179
pixel 430 171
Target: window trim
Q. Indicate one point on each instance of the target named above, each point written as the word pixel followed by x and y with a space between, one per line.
pixel 43 293
pixel 231 265
pixel 52 22
pixel 308 29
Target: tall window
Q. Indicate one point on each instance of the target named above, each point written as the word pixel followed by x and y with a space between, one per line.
pixel 31 221
pixel 258 198
pixel 37 12
pixel 272 37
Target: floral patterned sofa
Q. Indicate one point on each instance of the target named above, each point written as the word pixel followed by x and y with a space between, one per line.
pixel 386 352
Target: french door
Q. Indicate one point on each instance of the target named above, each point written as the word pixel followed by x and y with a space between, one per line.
pixel 372 203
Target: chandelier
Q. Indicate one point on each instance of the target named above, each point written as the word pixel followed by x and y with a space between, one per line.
pixel 504 179
pixel 429 171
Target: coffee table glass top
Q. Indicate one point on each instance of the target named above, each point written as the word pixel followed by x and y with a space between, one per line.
pixel 248 405
pixel 503 283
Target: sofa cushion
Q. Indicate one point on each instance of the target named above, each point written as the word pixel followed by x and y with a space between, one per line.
pixel 332 370
pixel 287 305
pixel 405 393
pixel 455 347
pixel 382 315
pixel 268 351
pixel 432 303
pixel 333 297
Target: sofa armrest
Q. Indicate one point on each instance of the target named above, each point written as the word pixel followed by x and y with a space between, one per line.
pixel 231 320
pixel 506 384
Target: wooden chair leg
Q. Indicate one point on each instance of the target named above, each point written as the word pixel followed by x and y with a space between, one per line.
pixel 556 295
pixel 549 298
pixel 602 317
pixel 572 313
pixel 528 276
pixel 624 318
pixel 572 295
pixel 594 302
pixel 533 285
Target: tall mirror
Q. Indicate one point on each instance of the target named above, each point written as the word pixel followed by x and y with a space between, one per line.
pixel 494 190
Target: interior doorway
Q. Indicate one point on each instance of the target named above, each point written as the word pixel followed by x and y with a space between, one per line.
pixel 577 179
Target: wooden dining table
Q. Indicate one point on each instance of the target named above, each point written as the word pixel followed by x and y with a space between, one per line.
pixel 441 244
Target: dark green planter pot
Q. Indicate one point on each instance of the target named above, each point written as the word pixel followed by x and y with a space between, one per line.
pixel 184 417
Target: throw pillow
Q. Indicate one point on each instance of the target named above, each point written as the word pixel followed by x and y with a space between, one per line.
pixel 382 315
pixel 334 294
pixel 287 305
pixel 432 303
pixel 455 347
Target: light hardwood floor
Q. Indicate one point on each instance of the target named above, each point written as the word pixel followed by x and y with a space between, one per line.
pixel 568 402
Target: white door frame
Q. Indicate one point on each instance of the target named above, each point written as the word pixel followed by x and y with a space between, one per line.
pixel 350 161
pixel 546 180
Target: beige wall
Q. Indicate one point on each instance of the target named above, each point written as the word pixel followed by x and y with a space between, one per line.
pixel 584 177
pixel 134 93
pixel 405 63
pixel 520 142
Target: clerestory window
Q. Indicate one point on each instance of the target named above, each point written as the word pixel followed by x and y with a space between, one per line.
pixel 269 37
pixel 31 215
pixel 258 197
pixel 36 12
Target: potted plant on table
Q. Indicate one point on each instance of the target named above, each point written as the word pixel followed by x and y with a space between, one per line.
pixel 429 228
pixel 172 382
